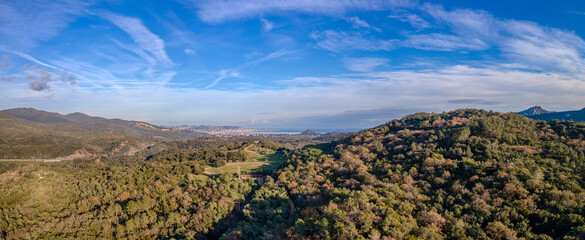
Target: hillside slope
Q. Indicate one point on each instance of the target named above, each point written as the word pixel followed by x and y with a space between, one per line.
pixel 466 174
pixel 31 133
pixel 576 116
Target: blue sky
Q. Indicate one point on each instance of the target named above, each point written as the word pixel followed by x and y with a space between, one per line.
pixel 290 64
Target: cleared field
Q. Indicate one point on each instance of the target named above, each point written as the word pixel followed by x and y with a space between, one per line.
pixel 254 156
pixel 256 163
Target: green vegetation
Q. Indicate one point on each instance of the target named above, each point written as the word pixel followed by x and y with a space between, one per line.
pixel 30 133
pixel 466 174
pixel 150 200
pixel 265 213
pixel 221 157
pixel 262 154
pixel 257 163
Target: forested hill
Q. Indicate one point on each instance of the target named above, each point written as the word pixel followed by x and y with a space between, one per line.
pixel 135 128
pixel 31 133
pixel 576 116
pixel 466 174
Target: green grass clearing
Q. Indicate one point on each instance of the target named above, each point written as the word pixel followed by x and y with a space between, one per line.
pixel 256 163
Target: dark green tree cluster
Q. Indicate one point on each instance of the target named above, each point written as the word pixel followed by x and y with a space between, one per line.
pixel 211 156
pixel 196 150
pixel 269 145
pixel 150 200
pixel 265 216
pixel 205 156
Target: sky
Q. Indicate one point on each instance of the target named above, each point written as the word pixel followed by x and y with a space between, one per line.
pixel 295 64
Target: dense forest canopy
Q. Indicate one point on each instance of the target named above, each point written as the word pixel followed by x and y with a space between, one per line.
pixel 466 174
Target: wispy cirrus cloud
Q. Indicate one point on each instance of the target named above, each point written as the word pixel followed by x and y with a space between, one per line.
pixel 444 42
pixel 337 41
pixel 223 74
pixel 576 12
pixel 267 26
pixel 548 48
pixel 24 23
pixel 189 52
pixel 27 57
pixel 411 18
pixel 522 42
pixel 359 23
pixel 466 22
pixel 450 86
pixel 39 78
pixel 367 64
pixel 215 11
pixel 236 72
pixel 142 36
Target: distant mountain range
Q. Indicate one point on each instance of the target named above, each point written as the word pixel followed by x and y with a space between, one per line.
pixel 536 110
pixel 32 133
pixel 77 118
pixel 539 113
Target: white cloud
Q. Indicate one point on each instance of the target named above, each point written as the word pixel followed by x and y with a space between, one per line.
pixel 189 52
pixel 550 49
pixel 523 42
pixel 27 57
pixel 520 42
pixel 236 72
pixel 223 74
pixel 214 11
pixel 578 13
pixel 363 64
pixel 272 55
pixel 267 26
pixel 358 23
pixel 466 22
pixel 444 42
pixel 117 78
pixel 413 19
pixel 337 41
pixel 142 36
